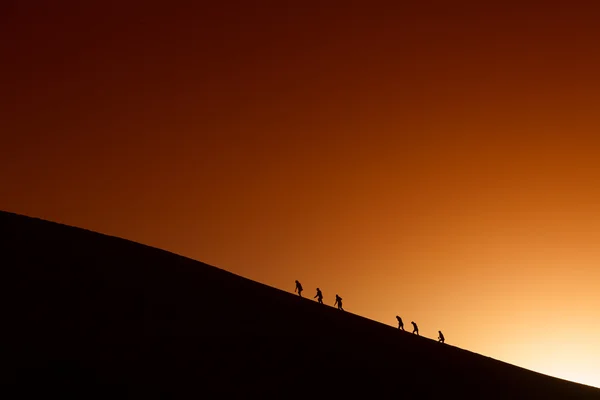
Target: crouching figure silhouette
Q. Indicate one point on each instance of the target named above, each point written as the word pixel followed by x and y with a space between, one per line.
pixel 441 338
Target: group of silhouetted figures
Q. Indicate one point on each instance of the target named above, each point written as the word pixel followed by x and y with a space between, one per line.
pixel 415 331
pixel 319 296
pixel 338 302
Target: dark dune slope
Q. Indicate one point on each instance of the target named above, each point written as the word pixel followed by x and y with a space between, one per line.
pixel 92 314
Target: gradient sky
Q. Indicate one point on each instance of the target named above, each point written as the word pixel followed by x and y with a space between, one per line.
pixel 433 161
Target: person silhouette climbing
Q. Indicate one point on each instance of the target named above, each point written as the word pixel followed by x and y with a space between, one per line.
pixel 441 337
pixel 400 323
pixel 319 296
pixel 298 288
pixel 338 301
pixel 415 328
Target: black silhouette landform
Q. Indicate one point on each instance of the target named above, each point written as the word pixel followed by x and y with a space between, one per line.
pixel 96 315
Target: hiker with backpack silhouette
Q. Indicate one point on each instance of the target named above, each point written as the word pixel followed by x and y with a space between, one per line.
pixel 298 288
pixel 338 301
pixel 415 328
pixel 400 323
pixel 319 296
pixel 441 337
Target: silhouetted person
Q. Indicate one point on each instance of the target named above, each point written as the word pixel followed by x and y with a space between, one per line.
pixel 338 301
pixel 298 288
pixel 441 337
pixel 415 328
pixel 319 296
pixel 400 323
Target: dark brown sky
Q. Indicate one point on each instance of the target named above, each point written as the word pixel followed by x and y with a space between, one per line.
pixel 435 161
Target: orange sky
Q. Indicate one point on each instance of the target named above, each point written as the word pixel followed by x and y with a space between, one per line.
pixel 439 162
